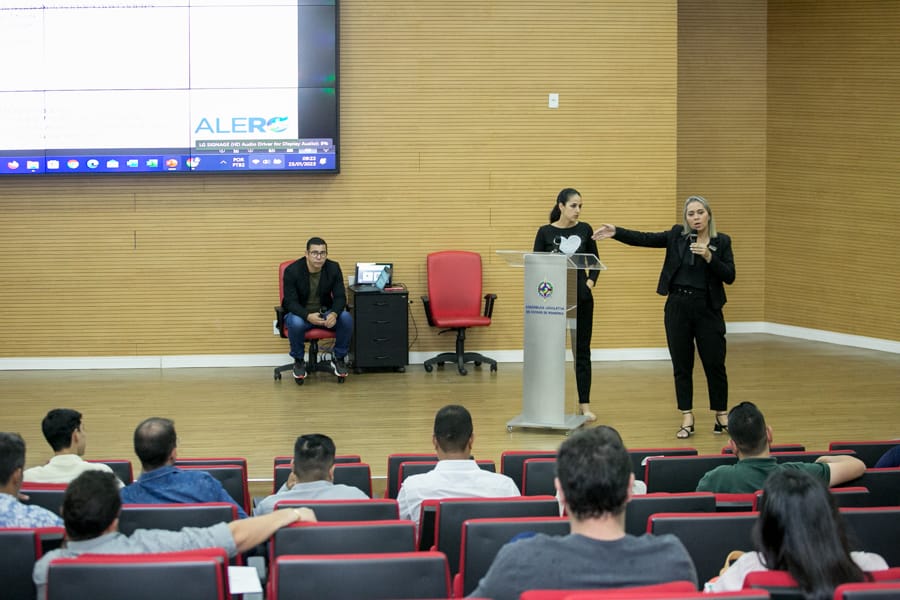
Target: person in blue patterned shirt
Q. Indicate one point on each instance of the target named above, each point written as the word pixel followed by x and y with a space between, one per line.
pixel 155 444
pixel 14 513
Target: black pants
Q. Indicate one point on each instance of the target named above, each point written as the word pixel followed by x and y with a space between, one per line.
pixel 584 326
pixel 689 318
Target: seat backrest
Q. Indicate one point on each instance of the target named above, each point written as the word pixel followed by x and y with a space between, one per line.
pixel 358 475
pixel 173 517
pixel 883 486
pixel 20 548
pixel 454 283
pixel 773 448
pixel 867 591
pixel 635 594
pixel 356 537
pixel 47 495
pixel 780 584
pixel 512 462
pixel 737 502
pixel 451 513
pixel 281 269
pixel 233 478
pixel 354 576
pixel 874 529
pixel 393 469
pixel 174 576
pixel 121 467
pixel 659 590
pixel 418 467
pixel 867 451
pixel 681 473
pixel 483 538
pixel 639 509
pixel 538 476
pixel 639 456
pixel 708 537
pixel 376 509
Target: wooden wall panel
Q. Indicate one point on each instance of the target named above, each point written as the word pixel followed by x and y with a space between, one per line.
pixel 833 183
pixel 722 133
pixel 447 143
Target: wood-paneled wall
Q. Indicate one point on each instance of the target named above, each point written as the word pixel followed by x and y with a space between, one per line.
pixel 448 143
pixel 833 201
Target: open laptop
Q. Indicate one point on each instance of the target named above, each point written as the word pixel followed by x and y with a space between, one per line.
pixel 372 277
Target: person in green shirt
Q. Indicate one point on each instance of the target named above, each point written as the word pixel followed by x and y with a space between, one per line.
pixel 750 442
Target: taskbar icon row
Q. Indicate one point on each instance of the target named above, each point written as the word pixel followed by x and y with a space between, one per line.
pixel 12 165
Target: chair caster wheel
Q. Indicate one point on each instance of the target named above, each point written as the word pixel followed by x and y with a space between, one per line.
pixel 509 429
pixel 440 364
pixel 277 376
pixel 341 379
pixel 477 363
pixel 428 368
pixel 299 381
pixel 463 372
pixel 494 368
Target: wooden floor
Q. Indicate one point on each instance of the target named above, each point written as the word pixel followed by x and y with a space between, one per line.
pixel 810 392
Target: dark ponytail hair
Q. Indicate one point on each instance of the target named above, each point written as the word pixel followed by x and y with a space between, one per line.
pixel 562 198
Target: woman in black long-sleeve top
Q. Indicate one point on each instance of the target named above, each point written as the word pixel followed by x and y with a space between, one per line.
pixel 698 262
pixel 566 234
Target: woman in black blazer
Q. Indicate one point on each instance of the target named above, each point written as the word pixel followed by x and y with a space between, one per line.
pixel 698 262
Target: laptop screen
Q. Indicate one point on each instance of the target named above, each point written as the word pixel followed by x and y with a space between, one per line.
pixel 367 273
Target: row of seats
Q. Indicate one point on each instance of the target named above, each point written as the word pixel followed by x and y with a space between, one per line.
pixel 400 574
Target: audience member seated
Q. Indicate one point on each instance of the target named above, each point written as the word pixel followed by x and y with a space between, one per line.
pixel 312 475
pixel 800 530
pixel 750 440
pixel 155 444
pixel 891 458
pixel 64 431
pixel 14 513
pixel 91 513
pixel 594 481
pixel 456 475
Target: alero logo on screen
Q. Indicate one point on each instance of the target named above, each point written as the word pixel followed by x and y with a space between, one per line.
pixel 219 125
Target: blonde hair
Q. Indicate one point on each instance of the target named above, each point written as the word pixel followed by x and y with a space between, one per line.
pixel 712 221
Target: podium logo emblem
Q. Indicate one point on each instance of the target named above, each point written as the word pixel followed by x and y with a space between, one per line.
pixel 545 289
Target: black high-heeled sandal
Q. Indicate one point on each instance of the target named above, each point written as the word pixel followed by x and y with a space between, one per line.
pixel 720 427
pixel 686 431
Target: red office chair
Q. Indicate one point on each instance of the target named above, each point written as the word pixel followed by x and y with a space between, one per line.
pixel 312 336
pixel 454 304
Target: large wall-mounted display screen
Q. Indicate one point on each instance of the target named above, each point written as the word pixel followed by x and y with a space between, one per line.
pixel 168 86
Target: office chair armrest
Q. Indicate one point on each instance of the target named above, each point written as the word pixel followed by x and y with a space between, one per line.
pixel 489 304
pixel 279 320
pixel 427 304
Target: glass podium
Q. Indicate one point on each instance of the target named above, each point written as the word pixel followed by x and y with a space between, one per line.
pixel 549 303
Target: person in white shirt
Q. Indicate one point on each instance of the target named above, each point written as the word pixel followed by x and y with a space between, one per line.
pixel 312 475
pixel 800 530
pixel 456 475
pixel 64 430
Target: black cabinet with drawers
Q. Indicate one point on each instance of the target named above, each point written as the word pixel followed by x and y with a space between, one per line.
pixel 380 332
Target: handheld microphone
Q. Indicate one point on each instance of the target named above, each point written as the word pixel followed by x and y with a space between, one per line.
pixel 692 239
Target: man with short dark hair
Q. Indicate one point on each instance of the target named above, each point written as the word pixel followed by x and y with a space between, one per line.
pixel 14 513
pixel 155 443
pixel 64 430
pixel 91 508
pixel 456 475
pixel 594 482
pixel 312 475
pixel 314 296
pixel 750 441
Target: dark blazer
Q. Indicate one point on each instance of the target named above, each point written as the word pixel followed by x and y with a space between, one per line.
pixel 331 291
pixel 721 267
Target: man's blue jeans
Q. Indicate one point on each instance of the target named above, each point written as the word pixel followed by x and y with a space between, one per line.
pixel 298 326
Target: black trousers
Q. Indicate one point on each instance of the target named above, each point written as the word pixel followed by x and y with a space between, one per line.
pixel 584 325
pixel 689 318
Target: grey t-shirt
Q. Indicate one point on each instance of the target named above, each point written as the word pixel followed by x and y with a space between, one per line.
pixel 577 562
pixel 312 490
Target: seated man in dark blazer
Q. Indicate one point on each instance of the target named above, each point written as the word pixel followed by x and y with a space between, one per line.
pixel 314 296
